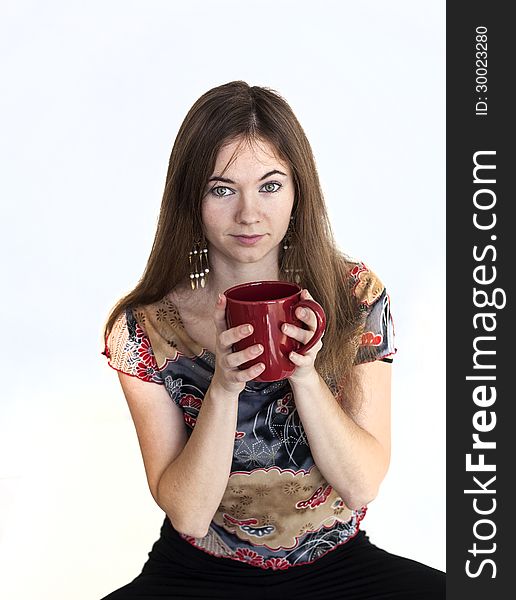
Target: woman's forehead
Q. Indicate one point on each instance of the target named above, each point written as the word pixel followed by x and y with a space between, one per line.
pixel 256 150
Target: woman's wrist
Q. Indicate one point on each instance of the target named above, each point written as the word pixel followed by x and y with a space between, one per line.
pixel 221 394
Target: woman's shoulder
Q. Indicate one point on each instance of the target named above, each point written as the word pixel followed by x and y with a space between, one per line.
pixel 128 349
pixel 366 286
pixel 373 303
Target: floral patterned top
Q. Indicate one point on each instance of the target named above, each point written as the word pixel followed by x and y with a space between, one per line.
pixel 277 510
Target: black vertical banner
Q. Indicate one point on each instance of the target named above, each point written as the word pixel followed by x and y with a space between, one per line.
pixel 481 267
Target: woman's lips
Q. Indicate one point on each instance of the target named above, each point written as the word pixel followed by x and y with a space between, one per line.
pixel 248 241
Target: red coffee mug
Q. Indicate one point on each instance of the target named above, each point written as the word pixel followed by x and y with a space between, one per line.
pixel 266 305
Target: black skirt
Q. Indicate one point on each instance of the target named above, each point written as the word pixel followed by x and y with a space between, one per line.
pixel 356 570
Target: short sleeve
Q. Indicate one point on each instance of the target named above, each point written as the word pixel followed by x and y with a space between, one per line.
pixel 377 339
pixel 128 349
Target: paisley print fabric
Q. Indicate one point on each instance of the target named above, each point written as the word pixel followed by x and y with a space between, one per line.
pixel 277 510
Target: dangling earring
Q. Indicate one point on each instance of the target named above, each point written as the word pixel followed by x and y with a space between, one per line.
pixel 288 235
pixel 198 270
pixel 287 247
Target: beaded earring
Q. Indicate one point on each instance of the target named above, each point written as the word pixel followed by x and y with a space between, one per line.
pixel 198 271
pixel 287 245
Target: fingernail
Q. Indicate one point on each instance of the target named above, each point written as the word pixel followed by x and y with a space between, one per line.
pixel 247 329
pixel 302 312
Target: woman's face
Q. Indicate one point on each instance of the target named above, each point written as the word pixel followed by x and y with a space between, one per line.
pixel 255 195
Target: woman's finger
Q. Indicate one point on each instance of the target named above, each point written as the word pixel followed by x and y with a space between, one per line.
pixel 219 314
pixel 295 332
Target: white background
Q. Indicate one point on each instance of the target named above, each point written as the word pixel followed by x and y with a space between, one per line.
pixel 92 96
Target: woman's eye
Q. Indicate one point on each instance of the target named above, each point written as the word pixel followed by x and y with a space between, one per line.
pixel 220 190
pixel 215 191
pixel 271 183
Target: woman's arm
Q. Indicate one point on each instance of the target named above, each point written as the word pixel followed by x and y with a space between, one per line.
pixel 187 476
pixel 195 482
pixel 353 454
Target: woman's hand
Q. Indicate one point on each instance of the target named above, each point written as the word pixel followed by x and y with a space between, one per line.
pixel 227 374
pixel 305 368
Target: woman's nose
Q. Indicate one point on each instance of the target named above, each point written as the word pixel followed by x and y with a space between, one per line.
pixel 248 210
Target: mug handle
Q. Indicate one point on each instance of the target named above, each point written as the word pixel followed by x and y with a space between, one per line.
pixel 321 323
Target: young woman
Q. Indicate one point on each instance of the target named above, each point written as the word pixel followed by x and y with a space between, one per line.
pixel 264 484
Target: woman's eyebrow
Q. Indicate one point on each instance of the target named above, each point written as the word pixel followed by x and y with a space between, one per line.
pixel 225 180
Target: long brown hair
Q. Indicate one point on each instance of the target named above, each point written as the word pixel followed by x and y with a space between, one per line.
pixel 233 111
